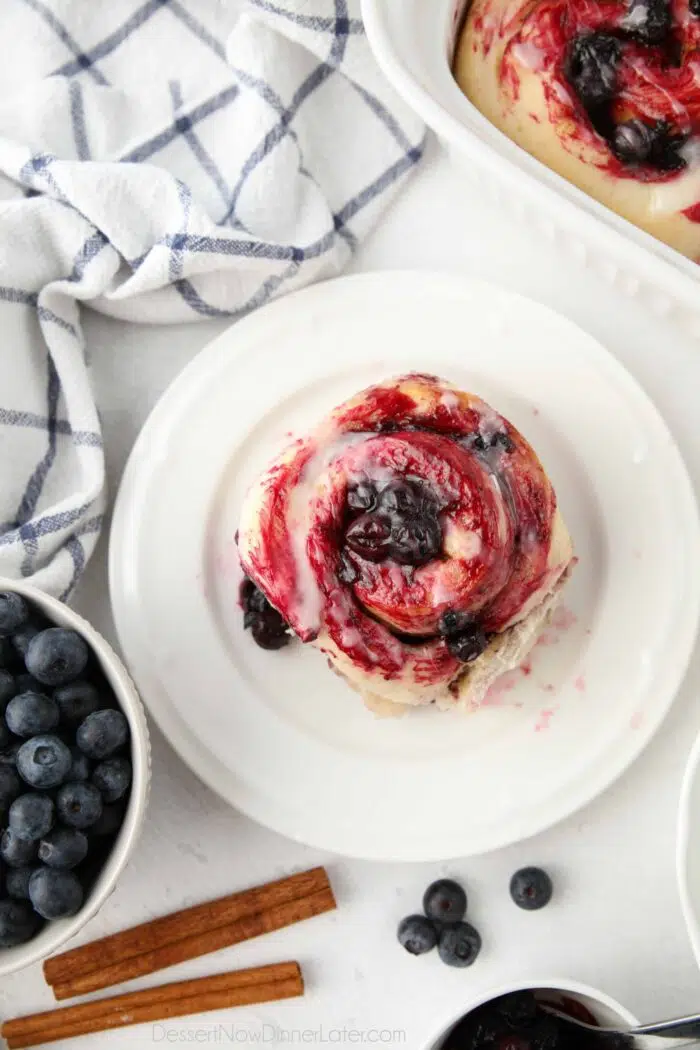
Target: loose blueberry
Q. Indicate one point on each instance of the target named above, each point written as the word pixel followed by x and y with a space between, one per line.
pixel 22 637
pixel 102 733
pixel 531 888
pixel 458 944
pixel 56 656
pixel 76 701
pixel 31 713
pixel 80 766
pixel 55 894
pixel 112 778
pixel 648 21
pixel 417 934
pixel 369 536
pixel 8 688
pixel 14 611
pixel 44 761
pixel 111 820
pixel 31 816
pixel 469 644
pixel 445 900
pixel 10 786
pixel 18 923
pixel 591 67
pixel 79 805
pixel 416 540
pixel 63 848
pixel 632 141
pixel 362 497
pixel 17 883
pixel 16 852
pixel 252 598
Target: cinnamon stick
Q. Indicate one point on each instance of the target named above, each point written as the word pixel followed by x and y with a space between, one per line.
pixel 200 943
pixel 189 922
pixel 182 998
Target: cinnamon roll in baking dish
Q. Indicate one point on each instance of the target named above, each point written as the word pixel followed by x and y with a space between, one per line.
pixel 414 538
pixel 604 92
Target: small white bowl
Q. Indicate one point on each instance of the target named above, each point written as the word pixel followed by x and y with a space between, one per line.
pixel 688 848
pixel 55 934
pixel 605 1010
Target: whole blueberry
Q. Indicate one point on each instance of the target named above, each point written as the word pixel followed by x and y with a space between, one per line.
pixel 445 901
pixel 402 498
pixel 591 67
pixel 102 733
pixel 22 637
pixel 632 141
pixel 31 816
pixel 415 541
pixel 531 888
pixel 8 754
pixel 16 852
pixel 455 622
pixel 10 786
pixel 648 21
pixel 79 805
pixel 56 656
pixel 469 644
pixel 111 820
pixel 417 934
pixel 362 496
pixel 63 848
pixel 80 766
pixel 30 713
pixel 44 761
pixel 18 923
pixel 112 778
pixel 369 536
pixel 17 883
pixel 6 736
pixel 458 944
pixel 14 611
pixel 8 688
pixel 55 894
pixel 76 701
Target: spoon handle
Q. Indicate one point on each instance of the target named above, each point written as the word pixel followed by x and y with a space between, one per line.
pixel 678 1028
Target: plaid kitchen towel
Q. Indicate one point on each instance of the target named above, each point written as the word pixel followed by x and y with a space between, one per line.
pixel 163 160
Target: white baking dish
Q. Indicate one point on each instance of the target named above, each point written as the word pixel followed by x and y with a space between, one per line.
pixel 413 42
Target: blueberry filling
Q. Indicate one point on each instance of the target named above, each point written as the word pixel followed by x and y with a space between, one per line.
pixel 648 21
pixel 401 523
pixel 591 68
pixel 268 628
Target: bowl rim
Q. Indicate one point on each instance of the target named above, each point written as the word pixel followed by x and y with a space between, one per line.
pixel 563 984
pixel 683 833
pixel 55 934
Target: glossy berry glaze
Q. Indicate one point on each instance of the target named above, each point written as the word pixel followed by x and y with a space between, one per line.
pixel 413 526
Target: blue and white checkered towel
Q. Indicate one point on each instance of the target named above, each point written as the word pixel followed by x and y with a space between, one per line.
pixel 163 160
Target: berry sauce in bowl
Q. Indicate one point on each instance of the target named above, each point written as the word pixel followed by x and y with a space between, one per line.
pixel 511 1018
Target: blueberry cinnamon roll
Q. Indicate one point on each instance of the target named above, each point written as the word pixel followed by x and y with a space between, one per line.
pixel 414 538
pixel 604 92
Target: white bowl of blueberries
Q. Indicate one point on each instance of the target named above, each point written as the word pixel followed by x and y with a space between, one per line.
pixel 74 773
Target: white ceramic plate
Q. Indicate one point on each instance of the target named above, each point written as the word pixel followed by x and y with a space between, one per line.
pixel 281 737
pixel 688 848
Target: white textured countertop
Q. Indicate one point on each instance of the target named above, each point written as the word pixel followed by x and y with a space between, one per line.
pixel 616 920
